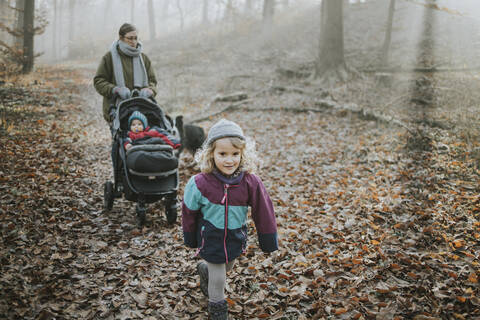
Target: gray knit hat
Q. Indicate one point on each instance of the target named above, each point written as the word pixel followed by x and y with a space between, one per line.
pixel 140 116
pixel 224 128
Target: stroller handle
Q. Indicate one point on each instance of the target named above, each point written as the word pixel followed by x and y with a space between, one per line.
pixel 135 93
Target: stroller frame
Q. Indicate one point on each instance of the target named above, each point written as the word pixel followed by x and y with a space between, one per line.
pixel 142 188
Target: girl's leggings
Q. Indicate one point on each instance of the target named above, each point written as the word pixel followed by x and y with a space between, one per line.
pixel 217 277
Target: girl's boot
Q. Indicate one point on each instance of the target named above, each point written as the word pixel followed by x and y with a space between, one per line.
pixel 202 270
pixel 218 310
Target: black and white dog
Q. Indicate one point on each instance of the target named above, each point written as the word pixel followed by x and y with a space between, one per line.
pixel 191 136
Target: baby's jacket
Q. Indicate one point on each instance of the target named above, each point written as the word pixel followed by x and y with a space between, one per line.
pixel 152 132
pixel 214 215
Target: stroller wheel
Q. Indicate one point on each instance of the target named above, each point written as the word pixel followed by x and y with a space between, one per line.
pixel 108 195
pixel 171 214
pixel 141 217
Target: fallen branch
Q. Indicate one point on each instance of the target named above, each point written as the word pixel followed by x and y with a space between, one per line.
pixel 228 108
pixel 288 73
pixel 430 69
pixel 232 97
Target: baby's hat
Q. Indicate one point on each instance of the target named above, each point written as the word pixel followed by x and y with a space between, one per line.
pixel 224 128
pixel 140 116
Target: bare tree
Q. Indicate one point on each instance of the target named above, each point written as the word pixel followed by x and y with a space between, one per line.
pixel 228 15
pixel 132 11
pixel 248 7
pixel 151 20
pixel 164 13
pixel 205 12
pixel 71 27
pixel 330 64
pixel 54 29
pixel 107 12
pixel 166 4
pixel 180 11
pixel 388 34
pixel 20 5
pixel 28 32
pixel 268 11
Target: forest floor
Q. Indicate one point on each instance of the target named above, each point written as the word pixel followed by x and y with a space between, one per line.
pixel 374 222
pixel 374 182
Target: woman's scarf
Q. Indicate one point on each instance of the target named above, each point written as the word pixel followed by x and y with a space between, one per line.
pixel 140 78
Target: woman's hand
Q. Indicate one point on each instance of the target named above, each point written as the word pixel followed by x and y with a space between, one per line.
pixel 122 92
pixel 146 93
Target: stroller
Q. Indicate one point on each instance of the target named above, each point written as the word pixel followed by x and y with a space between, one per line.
pixel 146 173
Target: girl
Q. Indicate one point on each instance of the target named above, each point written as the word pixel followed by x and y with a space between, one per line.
pixel 214 209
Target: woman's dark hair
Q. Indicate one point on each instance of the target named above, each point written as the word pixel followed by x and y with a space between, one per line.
pixel 126 28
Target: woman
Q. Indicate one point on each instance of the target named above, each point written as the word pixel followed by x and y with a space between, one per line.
pixel 123 69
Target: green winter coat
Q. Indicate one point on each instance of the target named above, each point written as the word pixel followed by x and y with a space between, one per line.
pixel 104 80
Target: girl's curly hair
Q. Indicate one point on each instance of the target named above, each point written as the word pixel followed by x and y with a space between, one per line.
pixel 249 160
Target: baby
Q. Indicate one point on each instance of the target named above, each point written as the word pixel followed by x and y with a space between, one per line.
pixel 139 128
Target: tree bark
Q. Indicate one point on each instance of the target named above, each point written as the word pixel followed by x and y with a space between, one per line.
pixel 205 12
pixel 164 15
pixel 107 13
pixel 268 11
pixel 151 20
pixel 388 35
pixel 180 11
pixel 132 12
pixel 330 63
pixel 71 27
pixel 28 30
pixel 20 6
pixel 248 7
pixel 166 4
pixel 228 15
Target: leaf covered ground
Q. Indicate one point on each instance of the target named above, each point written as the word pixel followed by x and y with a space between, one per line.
pixel 377 219
pixel 368 227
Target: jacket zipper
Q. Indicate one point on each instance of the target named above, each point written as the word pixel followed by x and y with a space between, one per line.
pixel 225 202
pixel 203 242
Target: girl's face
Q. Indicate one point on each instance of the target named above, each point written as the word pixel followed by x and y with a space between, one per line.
pixel 226 156
pixel 136 125
pixel 131 38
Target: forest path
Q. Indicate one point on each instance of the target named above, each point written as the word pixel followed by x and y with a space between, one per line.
pixel 360 217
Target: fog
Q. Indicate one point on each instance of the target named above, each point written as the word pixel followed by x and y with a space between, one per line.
pixel 86 29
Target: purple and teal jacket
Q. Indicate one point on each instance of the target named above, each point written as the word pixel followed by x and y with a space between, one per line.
pixel 214 215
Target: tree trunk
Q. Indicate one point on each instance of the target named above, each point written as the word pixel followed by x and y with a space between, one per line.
pixel 151 20
pixel 330 63
pixel 54 30
pixel 132 12
pixel 228 15
pixel 268 11
pixel 20 5
pixel 166 4
pixel 29 15
pixel 107 13
pixel 164 15
pixel 180 11
pixel 388 35
pixel 205 12
pixel 71 27
pixel 248 7
pixel 61 36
